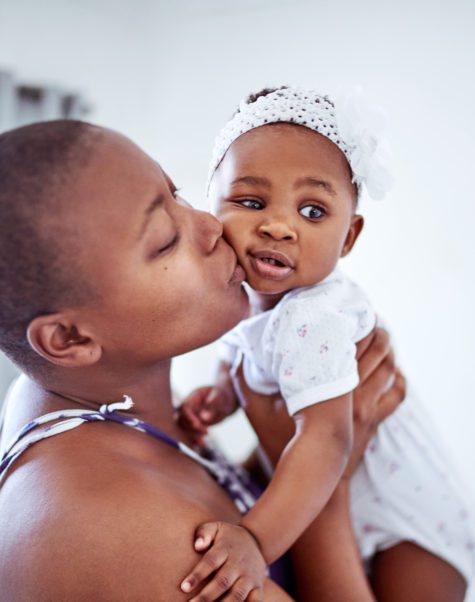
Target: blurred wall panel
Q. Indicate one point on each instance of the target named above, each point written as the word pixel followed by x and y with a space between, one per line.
pixel 20 104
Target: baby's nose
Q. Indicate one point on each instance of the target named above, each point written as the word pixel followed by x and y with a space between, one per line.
pixel 278 230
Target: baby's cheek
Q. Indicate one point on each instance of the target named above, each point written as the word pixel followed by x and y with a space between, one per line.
pixel 319 264
pixel 231 232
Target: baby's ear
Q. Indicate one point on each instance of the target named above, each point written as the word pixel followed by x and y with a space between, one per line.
pixel 357 223
pixel 60 341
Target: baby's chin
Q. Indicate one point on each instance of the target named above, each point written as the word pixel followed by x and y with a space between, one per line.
pixel 269 289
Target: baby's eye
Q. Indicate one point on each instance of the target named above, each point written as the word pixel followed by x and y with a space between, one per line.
pixel 251 203
pixel 312 211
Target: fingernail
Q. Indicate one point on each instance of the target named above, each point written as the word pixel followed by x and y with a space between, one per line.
pixel 199 542
pixel 205 414
pixel 186 586
pixel 211 396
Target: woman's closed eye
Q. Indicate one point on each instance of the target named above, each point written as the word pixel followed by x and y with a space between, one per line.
pixel 163 249
pixel 314 212
pixel 177 196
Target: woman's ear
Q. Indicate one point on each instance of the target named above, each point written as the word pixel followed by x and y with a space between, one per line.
pixel 57 339
pixel 357 223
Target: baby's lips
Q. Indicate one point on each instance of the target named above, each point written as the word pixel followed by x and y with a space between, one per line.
pixel 282 258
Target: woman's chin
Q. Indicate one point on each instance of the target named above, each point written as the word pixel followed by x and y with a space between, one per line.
pixel 241 310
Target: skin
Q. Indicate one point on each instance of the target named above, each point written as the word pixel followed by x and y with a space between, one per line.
pixel 103 512
pixel 285 189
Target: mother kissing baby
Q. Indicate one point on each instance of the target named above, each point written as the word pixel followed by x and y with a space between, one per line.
pixel 106 274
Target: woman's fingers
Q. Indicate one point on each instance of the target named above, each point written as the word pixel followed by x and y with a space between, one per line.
pixel 378 381
pixel 391 399
pixel 363 345
pixel 378 348
pixel 367 396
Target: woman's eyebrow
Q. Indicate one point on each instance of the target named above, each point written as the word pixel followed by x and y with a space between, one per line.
pixel 252 180
pixel 310 181
pixel 155 203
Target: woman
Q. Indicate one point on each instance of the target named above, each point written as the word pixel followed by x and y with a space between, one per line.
pixel 112 275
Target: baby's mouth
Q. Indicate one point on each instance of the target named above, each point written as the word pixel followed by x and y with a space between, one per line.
pixel 272 261
pixel 271 265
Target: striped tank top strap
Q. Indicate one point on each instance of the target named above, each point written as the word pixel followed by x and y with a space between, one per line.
pixel 231 478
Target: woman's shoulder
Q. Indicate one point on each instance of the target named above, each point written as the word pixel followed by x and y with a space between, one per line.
pixel 101 525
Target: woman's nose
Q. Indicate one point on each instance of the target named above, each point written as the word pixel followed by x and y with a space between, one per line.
pixel 278 229
pixel 209 230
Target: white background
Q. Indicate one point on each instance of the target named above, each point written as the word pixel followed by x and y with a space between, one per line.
pixel 169 74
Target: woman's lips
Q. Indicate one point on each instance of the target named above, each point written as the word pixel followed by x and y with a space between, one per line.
pixel 271 265
pixel 238 275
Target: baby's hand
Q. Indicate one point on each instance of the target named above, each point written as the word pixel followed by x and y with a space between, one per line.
pixel 204 407
pixel 234 557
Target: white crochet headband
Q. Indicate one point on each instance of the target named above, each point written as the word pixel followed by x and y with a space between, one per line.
pixel 355 126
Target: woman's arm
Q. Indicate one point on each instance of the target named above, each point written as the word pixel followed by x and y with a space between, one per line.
pixel 326 559
pixel 128 540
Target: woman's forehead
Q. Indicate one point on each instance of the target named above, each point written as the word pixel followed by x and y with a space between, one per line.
pixel 118 175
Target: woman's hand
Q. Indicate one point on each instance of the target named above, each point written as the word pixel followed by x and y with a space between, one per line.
pixel 381 389
pixel 233 560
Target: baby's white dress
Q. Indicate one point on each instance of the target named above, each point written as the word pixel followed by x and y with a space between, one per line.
pixel 405 488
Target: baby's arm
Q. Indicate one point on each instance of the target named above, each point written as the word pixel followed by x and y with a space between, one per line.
pixel 305 476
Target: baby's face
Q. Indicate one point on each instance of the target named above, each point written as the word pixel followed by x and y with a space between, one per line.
pixel 285 197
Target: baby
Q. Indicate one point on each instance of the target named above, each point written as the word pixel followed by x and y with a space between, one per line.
pixel 286 176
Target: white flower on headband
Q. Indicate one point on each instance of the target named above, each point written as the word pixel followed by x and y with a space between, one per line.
pixel 361 125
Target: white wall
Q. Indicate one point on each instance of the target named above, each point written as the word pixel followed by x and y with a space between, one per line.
pixel 170 73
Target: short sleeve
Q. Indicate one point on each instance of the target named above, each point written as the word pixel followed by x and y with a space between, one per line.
pixel 226 353
pixel 250 342
pixel 314 354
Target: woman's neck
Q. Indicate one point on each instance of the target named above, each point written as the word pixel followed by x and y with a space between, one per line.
pixel 150 391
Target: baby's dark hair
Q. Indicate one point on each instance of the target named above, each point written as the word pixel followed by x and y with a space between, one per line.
pixel 38 274
pixel 266 91
pixel 255 95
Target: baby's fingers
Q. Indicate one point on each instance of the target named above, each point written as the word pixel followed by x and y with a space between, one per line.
pixel 205 535
pixel 257 595
pixel 224 581
pixel 209 413
pixel 211 562
pixel 188 419
pixel 242 590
